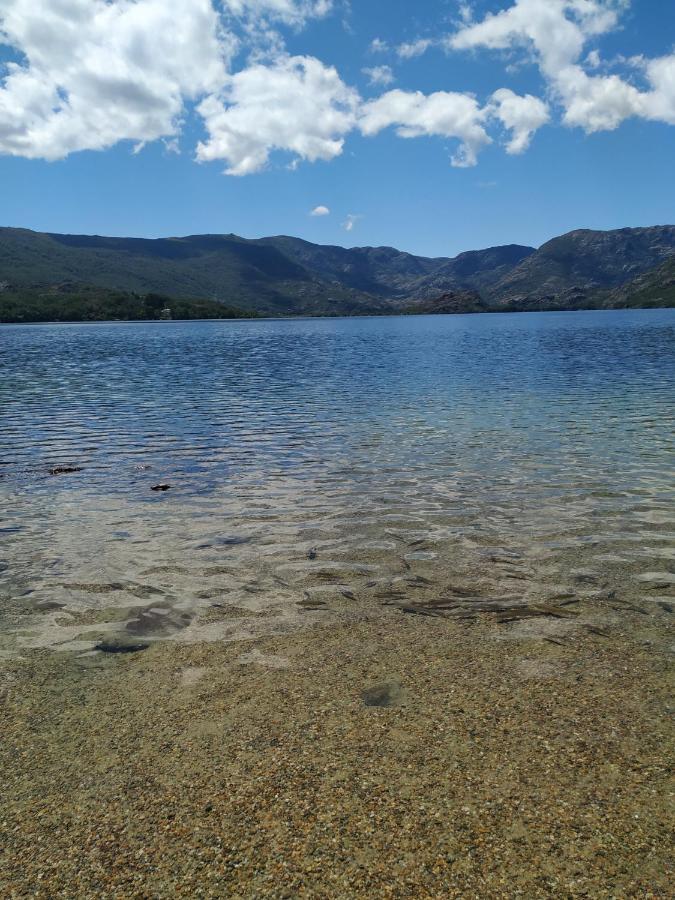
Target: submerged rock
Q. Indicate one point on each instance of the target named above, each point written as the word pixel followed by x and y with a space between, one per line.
pixel 48 605
pixel 121 645
pixel 388 693
pixel 157 620
pixel 161 487
pixel 64 470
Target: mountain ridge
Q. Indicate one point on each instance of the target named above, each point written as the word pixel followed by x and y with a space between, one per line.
pixel 283 275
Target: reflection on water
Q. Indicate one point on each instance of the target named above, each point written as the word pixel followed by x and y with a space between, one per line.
pixel 318 467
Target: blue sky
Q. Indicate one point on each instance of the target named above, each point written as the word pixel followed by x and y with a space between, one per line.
pixel 122 117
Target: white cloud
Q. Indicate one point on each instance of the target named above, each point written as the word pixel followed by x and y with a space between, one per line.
pixel 593 60
pixel 377 45
pixel 522 116
pixel 596 103
pixel 379 75
pixel 465 12
pixel 444 114
pixel 91 73
pixel 320 211
pixel 460 116
pixel 295 104
pixel 659 103
pixel 556 29
pixel 291 12
pixel 555 33
pixel 414 48
pixel 351 221
pixel 94 72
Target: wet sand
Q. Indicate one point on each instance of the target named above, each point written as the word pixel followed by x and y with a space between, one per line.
pixel 372 752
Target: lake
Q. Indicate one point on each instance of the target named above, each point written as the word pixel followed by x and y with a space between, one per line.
pixel 309 458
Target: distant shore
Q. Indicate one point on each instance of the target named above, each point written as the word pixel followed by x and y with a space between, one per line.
pixel 388 315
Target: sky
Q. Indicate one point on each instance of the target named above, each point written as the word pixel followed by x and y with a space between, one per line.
pixel 434 126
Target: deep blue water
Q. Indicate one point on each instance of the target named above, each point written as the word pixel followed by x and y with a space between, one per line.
pixel 521 427
pixel 215 399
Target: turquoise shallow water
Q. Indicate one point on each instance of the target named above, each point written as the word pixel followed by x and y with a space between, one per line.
pixel 534 434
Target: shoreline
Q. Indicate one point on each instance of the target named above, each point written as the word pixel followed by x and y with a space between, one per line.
pixel 403 315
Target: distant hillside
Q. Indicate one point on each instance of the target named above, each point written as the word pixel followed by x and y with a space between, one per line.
pixel 223 268
pixel 655 288
pixel 396 276
pixel 288 276
pixel 569 271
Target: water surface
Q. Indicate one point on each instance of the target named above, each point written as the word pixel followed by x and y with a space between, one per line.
pixel 523 452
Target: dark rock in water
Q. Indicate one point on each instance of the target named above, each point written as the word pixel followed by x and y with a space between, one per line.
pixel 310 604
pixel 49 605
pixel 666 606
pixel 413 610
pixel 311 554
pixel 120 645
pixel 389 693
pixel 64 470
pixel 157 621
pixel 161 487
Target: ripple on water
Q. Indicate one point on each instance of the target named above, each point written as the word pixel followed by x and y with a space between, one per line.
pixel 385 446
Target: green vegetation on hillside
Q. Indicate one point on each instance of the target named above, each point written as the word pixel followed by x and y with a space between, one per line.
pixel 246 274
pixel 655 289
pixel 79 303
pixel 96 278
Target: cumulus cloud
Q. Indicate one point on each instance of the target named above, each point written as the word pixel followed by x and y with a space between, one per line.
pixel 295 104
pixel 460 116
pixel 555 29
pixel 555 33
pixel 93 73
pixel 522 116
pixel 291 12
pixel 320 211
pixel 444 113
pixel 86 74
pixel 379 75
pixel 659 103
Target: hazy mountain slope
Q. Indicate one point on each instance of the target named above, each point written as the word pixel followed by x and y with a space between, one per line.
pixel 394 275
pixel 288 276
pixel 655 288
pixel 279 275
pixel 578 264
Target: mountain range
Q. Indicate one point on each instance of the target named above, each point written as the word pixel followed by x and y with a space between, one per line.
pixel 288 276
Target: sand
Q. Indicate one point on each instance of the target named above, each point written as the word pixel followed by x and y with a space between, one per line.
pixel 372 753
